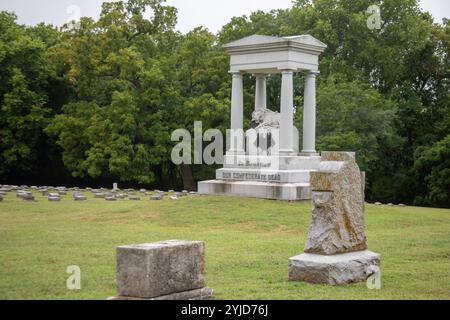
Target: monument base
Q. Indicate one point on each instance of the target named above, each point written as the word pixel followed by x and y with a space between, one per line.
pixel 337 269
pixel 267 177
pixel 198 294
pixel 255 189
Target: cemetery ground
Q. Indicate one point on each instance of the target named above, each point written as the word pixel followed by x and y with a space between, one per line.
pixel 248 243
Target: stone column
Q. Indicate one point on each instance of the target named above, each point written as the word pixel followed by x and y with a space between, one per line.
pixel 287 113
pixel 309 115
pixel 260 92
pixel 237 115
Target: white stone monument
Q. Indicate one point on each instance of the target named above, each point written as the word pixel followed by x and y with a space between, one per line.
pixel 265 162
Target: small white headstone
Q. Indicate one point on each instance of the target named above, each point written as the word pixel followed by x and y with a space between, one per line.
pixel 115 187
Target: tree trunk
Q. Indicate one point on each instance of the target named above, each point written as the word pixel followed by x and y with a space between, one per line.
pixel 188 178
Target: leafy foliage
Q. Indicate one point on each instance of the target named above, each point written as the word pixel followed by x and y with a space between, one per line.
pixel 103 97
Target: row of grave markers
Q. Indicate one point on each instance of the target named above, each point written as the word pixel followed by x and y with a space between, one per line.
pixel 54 194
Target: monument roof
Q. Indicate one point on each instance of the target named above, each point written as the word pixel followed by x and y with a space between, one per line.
pixel 255 42
pixel 271 54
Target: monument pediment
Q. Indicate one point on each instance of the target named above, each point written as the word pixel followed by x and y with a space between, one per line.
pixel 255 42
pixel 252 40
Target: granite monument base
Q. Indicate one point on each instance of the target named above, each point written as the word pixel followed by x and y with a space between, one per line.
pixel 339 269
pixel 268 177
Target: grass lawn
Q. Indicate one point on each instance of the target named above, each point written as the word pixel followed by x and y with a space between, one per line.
pixel 248 243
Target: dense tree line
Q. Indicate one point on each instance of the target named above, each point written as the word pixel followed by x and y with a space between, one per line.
pixel 96 101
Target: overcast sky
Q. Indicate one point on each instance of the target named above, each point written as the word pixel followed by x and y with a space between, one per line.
pixel 212 14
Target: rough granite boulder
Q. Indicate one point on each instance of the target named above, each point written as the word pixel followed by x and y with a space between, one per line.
pixel 337 224
pixel 336 250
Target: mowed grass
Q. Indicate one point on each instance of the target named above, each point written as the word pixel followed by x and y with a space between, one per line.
pixel 248 243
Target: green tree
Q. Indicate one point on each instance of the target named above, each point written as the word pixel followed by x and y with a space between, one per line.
pixel 115 125
pixel 25 106
pixel 202 73
pixel 433 164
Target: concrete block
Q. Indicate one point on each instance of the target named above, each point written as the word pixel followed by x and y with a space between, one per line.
pixel 156 269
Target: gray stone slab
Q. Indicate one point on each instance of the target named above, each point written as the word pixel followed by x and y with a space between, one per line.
pixel 162 268
pixel 99 195
pixel 337 269
pixel 21 194
pixel 198 294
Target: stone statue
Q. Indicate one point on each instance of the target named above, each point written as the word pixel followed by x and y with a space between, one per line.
pixel 263 119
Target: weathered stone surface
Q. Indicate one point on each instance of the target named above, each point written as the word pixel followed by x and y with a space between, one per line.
pixel 198 294
pixel 156 197
pixel 337 224
pixel 333 270
pixel 157 269
pixel 28 197
pixel 134 198
pixel 80 197
pixel 99 195
pixel 22 193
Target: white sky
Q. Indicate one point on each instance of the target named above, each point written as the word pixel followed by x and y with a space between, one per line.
pixel 212 14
